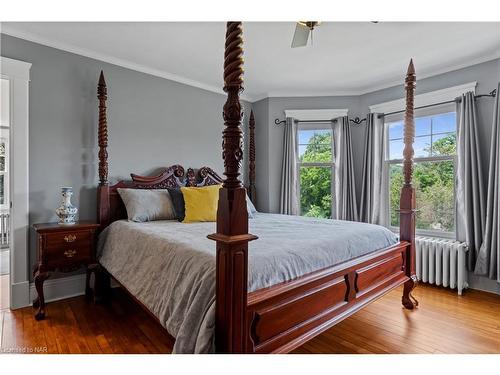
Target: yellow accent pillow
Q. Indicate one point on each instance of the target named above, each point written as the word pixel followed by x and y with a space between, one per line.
pixel 200 203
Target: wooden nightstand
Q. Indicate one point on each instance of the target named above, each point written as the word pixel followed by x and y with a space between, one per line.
pixel 63 248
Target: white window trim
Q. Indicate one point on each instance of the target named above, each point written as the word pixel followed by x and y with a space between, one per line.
pixel 428 98
pixel 388 162
pixel 18 73
pixel 316 114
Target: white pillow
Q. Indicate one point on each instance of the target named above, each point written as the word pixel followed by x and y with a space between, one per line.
pixel 147 205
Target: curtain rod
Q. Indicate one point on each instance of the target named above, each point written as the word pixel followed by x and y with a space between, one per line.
pixel 358 121
pixel 492 94
pixel 355 121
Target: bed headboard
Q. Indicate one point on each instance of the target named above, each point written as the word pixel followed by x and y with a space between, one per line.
pixel 110 206
pixel 172 177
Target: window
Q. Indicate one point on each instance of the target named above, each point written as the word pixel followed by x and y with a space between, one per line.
pixel 434 171
pixel 315 168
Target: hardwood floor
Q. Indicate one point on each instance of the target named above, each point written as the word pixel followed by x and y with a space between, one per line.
pixel 444 323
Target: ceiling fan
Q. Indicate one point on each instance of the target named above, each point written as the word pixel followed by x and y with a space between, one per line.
pixel 302 31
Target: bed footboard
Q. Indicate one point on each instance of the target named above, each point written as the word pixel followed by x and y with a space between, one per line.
pixel 285 316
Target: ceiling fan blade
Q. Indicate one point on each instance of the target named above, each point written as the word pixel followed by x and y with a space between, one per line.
pixel 300 36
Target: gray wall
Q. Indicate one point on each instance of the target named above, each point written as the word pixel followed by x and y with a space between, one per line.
pixel 270 137
pixel 269 161
pixel 487 76
pixel 152 122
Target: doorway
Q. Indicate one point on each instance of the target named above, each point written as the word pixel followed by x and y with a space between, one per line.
pixel 14 183
pixel 5 115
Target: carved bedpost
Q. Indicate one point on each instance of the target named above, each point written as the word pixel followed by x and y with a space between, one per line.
pixel 231 331
pixel 103 208
pixel 251 160
pixel 407 219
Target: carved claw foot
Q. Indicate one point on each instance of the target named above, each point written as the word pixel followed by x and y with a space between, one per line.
pixel 39 302
pixel 40 315
pixel 409 302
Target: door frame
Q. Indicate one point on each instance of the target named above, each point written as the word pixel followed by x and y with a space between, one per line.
pixel 18 73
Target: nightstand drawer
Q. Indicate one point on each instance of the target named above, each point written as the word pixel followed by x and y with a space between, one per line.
pixel 68 253
pixel 68 239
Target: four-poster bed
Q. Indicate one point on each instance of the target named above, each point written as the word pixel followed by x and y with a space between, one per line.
pixel 284 315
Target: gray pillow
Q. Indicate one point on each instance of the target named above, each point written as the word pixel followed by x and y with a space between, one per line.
pixel 147 205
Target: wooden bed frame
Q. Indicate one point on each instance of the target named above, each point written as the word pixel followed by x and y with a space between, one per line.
pixel 282 317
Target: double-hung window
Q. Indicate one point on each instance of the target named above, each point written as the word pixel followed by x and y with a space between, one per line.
pixel 315 169
pixel 434 170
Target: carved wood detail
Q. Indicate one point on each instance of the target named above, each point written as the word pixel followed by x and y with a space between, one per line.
pixel 231 333
pixel 172 177
pixel 407 221
pixel 284 316
pixel 102 93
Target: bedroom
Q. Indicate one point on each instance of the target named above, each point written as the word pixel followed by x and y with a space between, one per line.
pixel 397 112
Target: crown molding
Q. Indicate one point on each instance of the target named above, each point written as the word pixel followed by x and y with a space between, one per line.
pixel 8 30
pixel 400 82
pixel 12 31
pixel 427 98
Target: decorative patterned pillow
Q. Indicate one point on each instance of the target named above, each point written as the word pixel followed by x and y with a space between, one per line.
pixel 147 205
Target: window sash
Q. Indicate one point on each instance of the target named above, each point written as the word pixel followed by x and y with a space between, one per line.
pixel 431 158
pixel 329 164
pixel 422 232
pixel 332 182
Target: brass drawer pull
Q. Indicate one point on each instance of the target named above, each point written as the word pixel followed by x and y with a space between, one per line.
pixel 70 253
pixel 70 238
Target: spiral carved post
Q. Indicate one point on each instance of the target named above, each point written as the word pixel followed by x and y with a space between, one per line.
pixel 231 331
pixel 251 160
pixel 408 197
pixel 102 140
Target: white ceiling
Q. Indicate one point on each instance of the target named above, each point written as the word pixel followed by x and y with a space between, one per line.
pixel 347 58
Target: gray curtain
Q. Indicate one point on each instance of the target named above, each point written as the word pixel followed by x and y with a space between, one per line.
pixel 470 192
pixel 488 259
pixel 289 204
pixel 373 196
pixel 345 207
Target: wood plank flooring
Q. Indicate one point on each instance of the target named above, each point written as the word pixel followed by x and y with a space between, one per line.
pixel 444 323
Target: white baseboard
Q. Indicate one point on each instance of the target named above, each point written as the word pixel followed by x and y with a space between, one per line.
pixel 483 283
pixel 57 289
pixel 20 295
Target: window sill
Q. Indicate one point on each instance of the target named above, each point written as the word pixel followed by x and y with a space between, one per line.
pixel 424 233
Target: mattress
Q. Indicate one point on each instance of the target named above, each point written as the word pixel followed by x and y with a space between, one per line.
pixel 170 266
